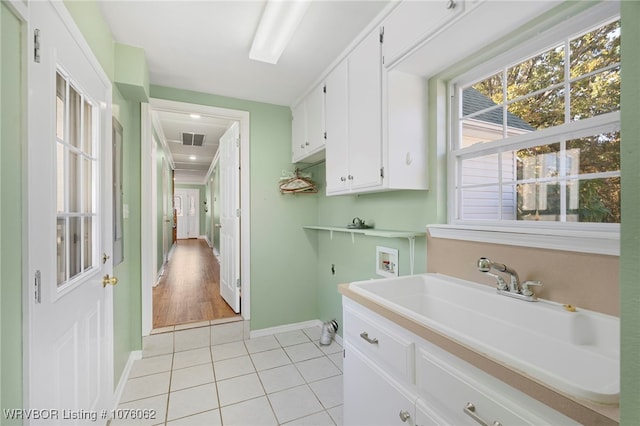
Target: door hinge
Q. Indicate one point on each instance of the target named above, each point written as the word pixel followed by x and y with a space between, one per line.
pixel 238 282
pixel 38 287
pixel 36 45
pixel 325 135
pixel 324 89
pixel 238 212
pixel 381 34
pixel 382 172
pixel 238 142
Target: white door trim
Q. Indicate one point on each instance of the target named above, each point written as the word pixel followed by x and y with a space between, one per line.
pixel 148 251
pixel 21 7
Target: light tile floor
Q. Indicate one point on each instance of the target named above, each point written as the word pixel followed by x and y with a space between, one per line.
pixel 210 375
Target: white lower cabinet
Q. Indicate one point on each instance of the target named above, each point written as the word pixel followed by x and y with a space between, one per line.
pixel 394 377
pixel 375 398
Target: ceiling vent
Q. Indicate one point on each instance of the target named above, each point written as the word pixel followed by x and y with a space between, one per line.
pixel 192 139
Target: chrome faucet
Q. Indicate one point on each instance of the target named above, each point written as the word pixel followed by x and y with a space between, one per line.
pixel 514 288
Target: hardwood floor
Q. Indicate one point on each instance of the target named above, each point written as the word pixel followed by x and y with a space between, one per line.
pixel 189 290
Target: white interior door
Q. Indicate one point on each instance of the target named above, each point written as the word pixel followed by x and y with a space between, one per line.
pixel 230 217
pixel 69 337
pixel 188 213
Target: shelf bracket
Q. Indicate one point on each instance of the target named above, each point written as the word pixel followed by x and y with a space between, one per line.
pixel 331 235
pixel 353 238
pixel 412 253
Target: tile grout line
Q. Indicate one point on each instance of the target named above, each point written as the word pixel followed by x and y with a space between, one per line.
pixel 266 395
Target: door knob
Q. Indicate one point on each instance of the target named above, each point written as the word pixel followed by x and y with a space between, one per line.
pixel 109 280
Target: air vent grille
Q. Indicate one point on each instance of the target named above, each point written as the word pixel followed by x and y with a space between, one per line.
pixel 192 139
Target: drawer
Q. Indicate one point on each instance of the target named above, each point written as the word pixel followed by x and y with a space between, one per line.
pixel 381 342
pixel 468 396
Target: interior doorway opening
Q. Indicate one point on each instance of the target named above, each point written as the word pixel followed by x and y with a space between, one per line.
pixel 182 285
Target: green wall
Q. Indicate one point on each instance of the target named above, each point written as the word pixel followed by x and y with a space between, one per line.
pixel 161 158
pixel 630 228
pixel 216 207
pixel 12 141
pixel 127 294
pixel 342 260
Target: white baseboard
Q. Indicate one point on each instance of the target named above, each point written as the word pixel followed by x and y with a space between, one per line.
pixel 284 328
pixel 133 356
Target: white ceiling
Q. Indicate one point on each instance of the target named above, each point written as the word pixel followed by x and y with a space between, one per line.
pixel 191 163
pixel 204 46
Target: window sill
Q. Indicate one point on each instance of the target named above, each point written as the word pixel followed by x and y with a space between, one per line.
pixel 595 242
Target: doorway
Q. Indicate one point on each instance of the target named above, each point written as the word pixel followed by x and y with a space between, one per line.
pixel 186 204
pixel 69 309
pixel 149 274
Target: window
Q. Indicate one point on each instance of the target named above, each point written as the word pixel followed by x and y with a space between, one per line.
pixel 537 139
pixel 76 182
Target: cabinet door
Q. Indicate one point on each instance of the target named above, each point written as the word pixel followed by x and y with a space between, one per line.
pixel 412 22
pixel 299 131
pixel 365 113
pixel 371 397
pixel 315 119
pixel 337 166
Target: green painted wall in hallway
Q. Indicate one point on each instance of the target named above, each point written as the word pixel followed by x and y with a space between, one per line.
pixel 127 297
pixel 11 214
pixel 630 229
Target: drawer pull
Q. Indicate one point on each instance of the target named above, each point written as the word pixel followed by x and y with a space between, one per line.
pixel 470 410
pixel 404 416
pixel 366 337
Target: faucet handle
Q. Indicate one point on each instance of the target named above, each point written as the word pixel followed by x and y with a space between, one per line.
pixel 526 291
pixel 502 284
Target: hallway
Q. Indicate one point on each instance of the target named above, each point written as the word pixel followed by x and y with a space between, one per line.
pixel 189 290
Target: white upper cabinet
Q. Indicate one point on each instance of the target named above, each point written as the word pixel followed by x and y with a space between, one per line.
pixel 375 125
pixel 413 21
pixel 354 114
pixel 365 114
pixel 337 152
pixel 308 127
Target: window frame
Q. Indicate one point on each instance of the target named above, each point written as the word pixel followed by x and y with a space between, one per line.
pixel 602 238
pixel 71 282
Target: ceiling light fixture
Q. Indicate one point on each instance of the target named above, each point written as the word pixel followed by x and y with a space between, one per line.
pixel 194 115
pixel 277 25
pixel 192 157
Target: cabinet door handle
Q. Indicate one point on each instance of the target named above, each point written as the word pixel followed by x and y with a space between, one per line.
pixel 366 337
pixel 470 410
pixel 404 416
pixel 350 177
pixel 342 178
pixel 451 4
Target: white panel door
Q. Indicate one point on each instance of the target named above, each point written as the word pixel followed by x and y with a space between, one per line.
pixel 69 336
pixel 188 212
pixel 230 217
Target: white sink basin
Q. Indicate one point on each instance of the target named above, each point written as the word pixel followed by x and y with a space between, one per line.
pixel 575 352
